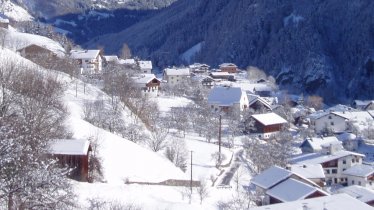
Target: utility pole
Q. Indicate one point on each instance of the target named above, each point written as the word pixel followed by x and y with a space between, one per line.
pixel 219 139
pixel 191 180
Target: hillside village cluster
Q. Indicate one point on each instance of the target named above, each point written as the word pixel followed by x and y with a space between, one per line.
pixel 334 146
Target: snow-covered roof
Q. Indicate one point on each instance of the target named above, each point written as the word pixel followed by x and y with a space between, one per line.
pixel 220 73
pixel 145 64
pixel 111 58
pixel 318 143
pixel 69 147
pixel 359 170
pixel 355 115
pixel 360 193
pixel 309 171
pixel 271 177
pixel 84 54
pixel 262 88
pixel 127 61
pixel 265 101
pixel 143 79
pixel 346 136
pixel 227 65
pixel 175 72
pixel 225 96
pixel 333 202
pixel 292 190
pixel 198 65
pixel 316 158
pixel 269 119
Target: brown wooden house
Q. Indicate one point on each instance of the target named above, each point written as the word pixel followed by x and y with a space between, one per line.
pixel 33 50
pixel 228 67
pixel 266 125
pixel 73 153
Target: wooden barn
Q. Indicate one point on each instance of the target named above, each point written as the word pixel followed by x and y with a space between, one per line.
pixel 267 125
pixel 73 153
pixel 36 50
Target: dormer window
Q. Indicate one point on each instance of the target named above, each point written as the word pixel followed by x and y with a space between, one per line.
pixel 330 117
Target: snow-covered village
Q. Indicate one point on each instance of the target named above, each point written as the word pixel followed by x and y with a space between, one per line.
pixel 84 129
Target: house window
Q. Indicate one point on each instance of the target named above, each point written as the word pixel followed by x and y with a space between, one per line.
pixel 330 117
pixel 344 161
pixel 342 179
pixel 327 171
pixel 353 160
pixel 359 182
pixel 331 123
pixel 334 171
pixel 353 181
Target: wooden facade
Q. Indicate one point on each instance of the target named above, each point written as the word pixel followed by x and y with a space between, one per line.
pixel 35 50
pixel 230 68
pixel 260 128
pixel 79 164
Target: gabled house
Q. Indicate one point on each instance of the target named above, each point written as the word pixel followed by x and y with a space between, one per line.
pixel 111 59
pixel 364 105
pixel 199 68
pixel 73 153
pixel 207 81
pixel 313 172
pixel 148 83
pixel 360 193
pixel 228 99
pixel 175 76
pixel 340 121
pixel 315 144
pixel 89 60
pixel 333 163
pixel 362 175
pixel 228 67
pixel 267 125
pixel 145 67
pixel 220 75
pixel 33 50
pixel 339 201
pixel 259 103
pixel 276 183
pixel 293 190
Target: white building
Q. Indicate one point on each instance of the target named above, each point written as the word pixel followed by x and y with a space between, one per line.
pixel 315 144
pixel 340 121
pixel 175 76
pixel 145 67
pixel 362 175
pixel 333 164
pixel 228 99
pixel 90 60
pixel 148 83
pixel 333 202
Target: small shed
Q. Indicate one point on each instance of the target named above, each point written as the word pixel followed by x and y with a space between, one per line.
pixel 73 153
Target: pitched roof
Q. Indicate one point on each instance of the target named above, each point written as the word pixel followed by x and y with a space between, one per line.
pixel 145 64
pixel 309 171
pixel 254 98
pixel 111 58
pixel 317 143
pixel 316 158
pixel 269 119
pixel 142 79
pixel 175 72
pixel 84 54
pixel 69 147
pixel 292 190
pixel 227 65
pixel 332 202
pixel 271 177
pixel 359 170
pixel 360 193
pixel 225 96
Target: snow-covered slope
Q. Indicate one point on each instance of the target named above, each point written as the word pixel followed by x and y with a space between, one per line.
pixel 122 159
pixel 16 40
pixel 14 11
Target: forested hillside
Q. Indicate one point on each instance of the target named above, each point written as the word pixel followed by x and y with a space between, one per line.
pixel 320 47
